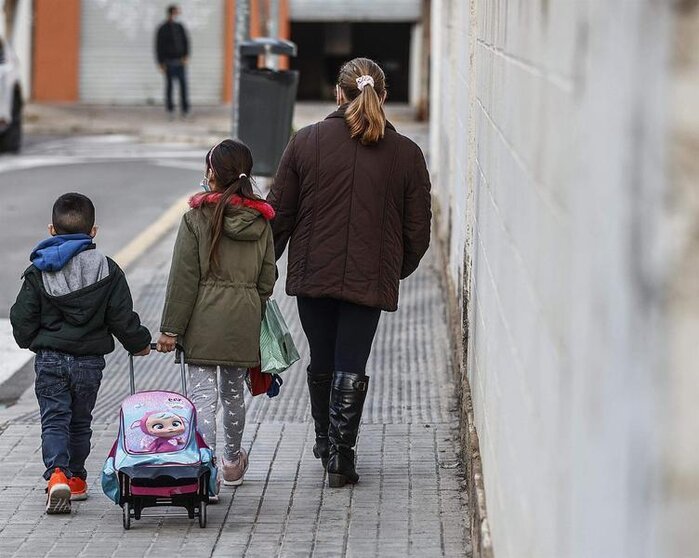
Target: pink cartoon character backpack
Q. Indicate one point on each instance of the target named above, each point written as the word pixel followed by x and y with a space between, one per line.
pixel 164 431
pixel 159 458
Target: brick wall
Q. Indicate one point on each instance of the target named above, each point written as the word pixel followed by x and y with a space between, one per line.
pixel 548 148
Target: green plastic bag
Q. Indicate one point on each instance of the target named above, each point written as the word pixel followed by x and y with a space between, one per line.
pixel 277 348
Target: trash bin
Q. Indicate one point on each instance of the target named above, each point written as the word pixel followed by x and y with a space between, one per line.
pixel 267 100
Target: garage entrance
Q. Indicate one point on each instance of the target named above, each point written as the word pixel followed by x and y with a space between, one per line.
pixel 324 46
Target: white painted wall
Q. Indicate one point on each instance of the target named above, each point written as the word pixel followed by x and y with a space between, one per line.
pixel 356 10
pixel 549 157
pixel 681 455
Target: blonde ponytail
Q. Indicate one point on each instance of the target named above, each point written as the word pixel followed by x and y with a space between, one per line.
pixel 363 83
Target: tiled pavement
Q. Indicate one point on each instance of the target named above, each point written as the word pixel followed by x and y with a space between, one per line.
pixel 409 501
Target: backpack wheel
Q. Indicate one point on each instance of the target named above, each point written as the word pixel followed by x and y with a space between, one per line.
pixel 126 515
pixel 202 514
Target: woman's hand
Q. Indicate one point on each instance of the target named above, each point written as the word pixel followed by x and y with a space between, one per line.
pixel 166 343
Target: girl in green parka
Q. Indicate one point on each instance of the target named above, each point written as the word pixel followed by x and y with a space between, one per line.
pixel 222 273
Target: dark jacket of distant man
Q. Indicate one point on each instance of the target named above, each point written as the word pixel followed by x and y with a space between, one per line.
pixel 172 43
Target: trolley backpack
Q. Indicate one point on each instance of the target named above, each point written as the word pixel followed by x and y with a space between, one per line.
pixel 159 458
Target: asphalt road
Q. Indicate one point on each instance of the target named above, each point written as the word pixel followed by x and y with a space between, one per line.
pixel 131 186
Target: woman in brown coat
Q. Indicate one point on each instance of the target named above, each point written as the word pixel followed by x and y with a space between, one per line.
pixel 352 199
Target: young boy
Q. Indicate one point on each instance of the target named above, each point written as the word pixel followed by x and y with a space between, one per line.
pixel 72 301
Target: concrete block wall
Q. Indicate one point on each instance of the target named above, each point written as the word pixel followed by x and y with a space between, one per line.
pixel 681 451
pixel 549 154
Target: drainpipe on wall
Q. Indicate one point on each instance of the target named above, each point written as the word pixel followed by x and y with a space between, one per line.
pixel 273 28
pixel 423 104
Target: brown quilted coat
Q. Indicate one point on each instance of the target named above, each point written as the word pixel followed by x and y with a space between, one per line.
pixel 357 218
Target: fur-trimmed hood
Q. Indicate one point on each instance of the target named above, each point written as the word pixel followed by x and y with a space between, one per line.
pixel 245 219
pixel 211 198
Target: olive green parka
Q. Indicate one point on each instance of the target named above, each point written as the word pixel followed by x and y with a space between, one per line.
pixel 217 313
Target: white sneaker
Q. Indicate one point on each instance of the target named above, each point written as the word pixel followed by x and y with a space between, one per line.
pixel 233 471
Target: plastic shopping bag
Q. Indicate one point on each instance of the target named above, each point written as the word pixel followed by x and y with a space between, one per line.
pixel 277 349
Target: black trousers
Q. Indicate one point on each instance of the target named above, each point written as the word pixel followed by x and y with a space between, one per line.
pixel 176 71
pixel 340 334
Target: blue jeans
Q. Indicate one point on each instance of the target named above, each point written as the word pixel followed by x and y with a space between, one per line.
pixel 175 70
pixel 66 387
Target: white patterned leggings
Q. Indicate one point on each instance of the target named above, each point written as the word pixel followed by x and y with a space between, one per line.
pixel 205 394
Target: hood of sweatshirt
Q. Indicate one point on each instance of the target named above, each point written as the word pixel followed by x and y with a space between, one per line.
pixel 55 252
pixel 244 219
pixel 83 270
pixel 74 275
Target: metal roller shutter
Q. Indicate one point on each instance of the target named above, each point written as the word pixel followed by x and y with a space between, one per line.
pixel 355 10
pixel 117 59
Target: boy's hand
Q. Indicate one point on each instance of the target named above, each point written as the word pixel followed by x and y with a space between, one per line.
pixel 166 343
pixel 143 352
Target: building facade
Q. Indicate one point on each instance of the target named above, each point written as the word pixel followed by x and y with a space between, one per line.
pixel 560 136
pixel 103 52
pixel 99 51
pixel 329 32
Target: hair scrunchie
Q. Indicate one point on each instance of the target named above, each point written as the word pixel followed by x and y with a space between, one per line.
pixel 363 81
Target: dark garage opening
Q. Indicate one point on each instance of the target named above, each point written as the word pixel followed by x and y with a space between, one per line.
pixel 324 46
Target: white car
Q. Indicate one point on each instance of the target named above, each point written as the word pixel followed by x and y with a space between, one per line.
pixel 10 100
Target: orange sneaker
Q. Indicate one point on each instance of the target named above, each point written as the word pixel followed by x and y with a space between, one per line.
pixel 78 488
pixel 58 493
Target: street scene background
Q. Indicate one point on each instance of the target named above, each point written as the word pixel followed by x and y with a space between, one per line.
pixel 535 394
pixel 139 184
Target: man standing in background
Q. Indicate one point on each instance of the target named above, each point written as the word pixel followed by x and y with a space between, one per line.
pixel 172 52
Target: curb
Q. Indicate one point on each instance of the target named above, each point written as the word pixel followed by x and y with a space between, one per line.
pixel 17 383
pixel 205 139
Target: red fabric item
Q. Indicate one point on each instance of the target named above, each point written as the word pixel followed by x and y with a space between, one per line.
pixel 258 382
pixel 164 491
pixel 211 198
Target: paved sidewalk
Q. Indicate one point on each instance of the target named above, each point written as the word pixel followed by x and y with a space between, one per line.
pixel 409 501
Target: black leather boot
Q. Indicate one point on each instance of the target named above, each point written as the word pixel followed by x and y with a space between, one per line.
pixel 319 392
pixel 346 404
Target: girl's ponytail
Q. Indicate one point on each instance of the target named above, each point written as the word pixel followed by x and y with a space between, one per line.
pixel 231 163
pixel 364 84
pixel 217 224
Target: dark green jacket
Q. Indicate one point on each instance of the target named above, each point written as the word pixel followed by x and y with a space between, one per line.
pixel 81 322
pixel 217 315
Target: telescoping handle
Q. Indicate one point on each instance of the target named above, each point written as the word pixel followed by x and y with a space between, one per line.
pixel 179 355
